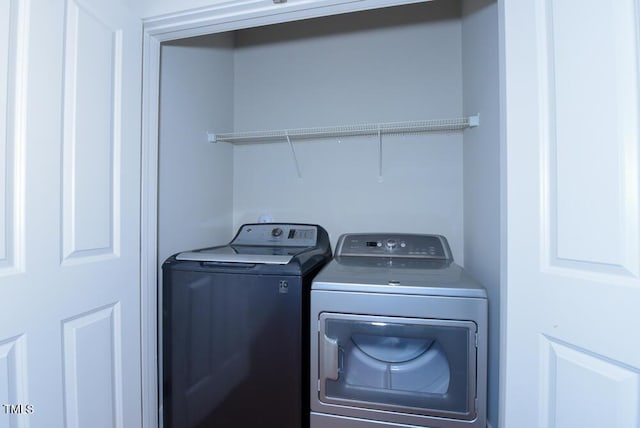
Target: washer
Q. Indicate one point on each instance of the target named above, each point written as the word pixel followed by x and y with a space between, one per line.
pixel 398 336
pixel 234 350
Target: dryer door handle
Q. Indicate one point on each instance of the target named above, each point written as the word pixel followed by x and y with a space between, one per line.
pixel 329 355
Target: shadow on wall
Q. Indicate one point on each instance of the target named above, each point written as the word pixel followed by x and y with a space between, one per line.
pixel 374 20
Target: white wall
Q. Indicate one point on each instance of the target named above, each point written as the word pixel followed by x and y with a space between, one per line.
pixel 195 187
pixel 482 169
pixel 387 65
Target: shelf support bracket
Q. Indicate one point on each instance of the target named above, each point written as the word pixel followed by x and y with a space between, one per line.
pixel 293 152
pixel 379 155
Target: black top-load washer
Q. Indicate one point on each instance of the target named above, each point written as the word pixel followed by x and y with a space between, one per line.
pixel 234 328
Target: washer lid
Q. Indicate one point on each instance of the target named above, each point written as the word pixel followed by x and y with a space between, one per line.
pixel 262 243
pixel 243 254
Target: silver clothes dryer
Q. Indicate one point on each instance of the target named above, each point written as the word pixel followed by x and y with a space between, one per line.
pixel 398 336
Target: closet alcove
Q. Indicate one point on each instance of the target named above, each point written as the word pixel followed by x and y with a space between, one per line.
pixel 432 60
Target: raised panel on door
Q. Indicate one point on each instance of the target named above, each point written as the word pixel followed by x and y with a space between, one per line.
pixel 92 136
pixel 93 368
pixel 5 46
pixel 593 382
pixel 593 127
pixel 12 63
pixel 13 382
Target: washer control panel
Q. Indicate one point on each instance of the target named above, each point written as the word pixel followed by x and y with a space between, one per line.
pixel 394 245
pixel 277 234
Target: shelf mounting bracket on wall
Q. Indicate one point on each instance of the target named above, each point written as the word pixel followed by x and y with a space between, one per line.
pixel 295 158
pixel 379 156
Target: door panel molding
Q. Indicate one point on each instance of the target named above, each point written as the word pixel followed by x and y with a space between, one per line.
pixel 590 219
pixel 13 56
pixel 92 356
pixel 13 376
pixel 572 374
pixel 92 138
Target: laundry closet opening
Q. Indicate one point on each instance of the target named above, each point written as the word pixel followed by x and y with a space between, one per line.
pixel 405 63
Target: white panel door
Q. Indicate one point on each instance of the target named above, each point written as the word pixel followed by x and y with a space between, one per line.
pixel 70 83
pixel 572 128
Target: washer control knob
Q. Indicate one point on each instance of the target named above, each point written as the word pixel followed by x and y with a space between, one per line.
pixel 276 232
pixel 391 244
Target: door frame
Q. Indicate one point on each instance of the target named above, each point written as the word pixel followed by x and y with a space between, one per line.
pixel 222 17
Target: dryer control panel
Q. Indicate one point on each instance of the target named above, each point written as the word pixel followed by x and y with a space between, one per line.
pixel 394 245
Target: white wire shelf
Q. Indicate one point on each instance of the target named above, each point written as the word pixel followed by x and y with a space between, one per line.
pixel 378 129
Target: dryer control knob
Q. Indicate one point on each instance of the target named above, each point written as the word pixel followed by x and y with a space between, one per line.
pixel 276 231
pixel 391 244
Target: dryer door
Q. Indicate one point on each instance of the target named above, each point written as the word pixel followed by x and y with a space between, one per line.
pixel 407 365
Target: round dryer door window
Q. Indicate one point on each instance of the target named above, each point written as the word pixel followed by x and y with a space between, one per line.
pixel 398 363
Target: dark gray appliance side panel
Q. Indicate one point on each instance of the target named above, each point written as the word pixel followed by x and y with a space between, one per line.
pixel 232 350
